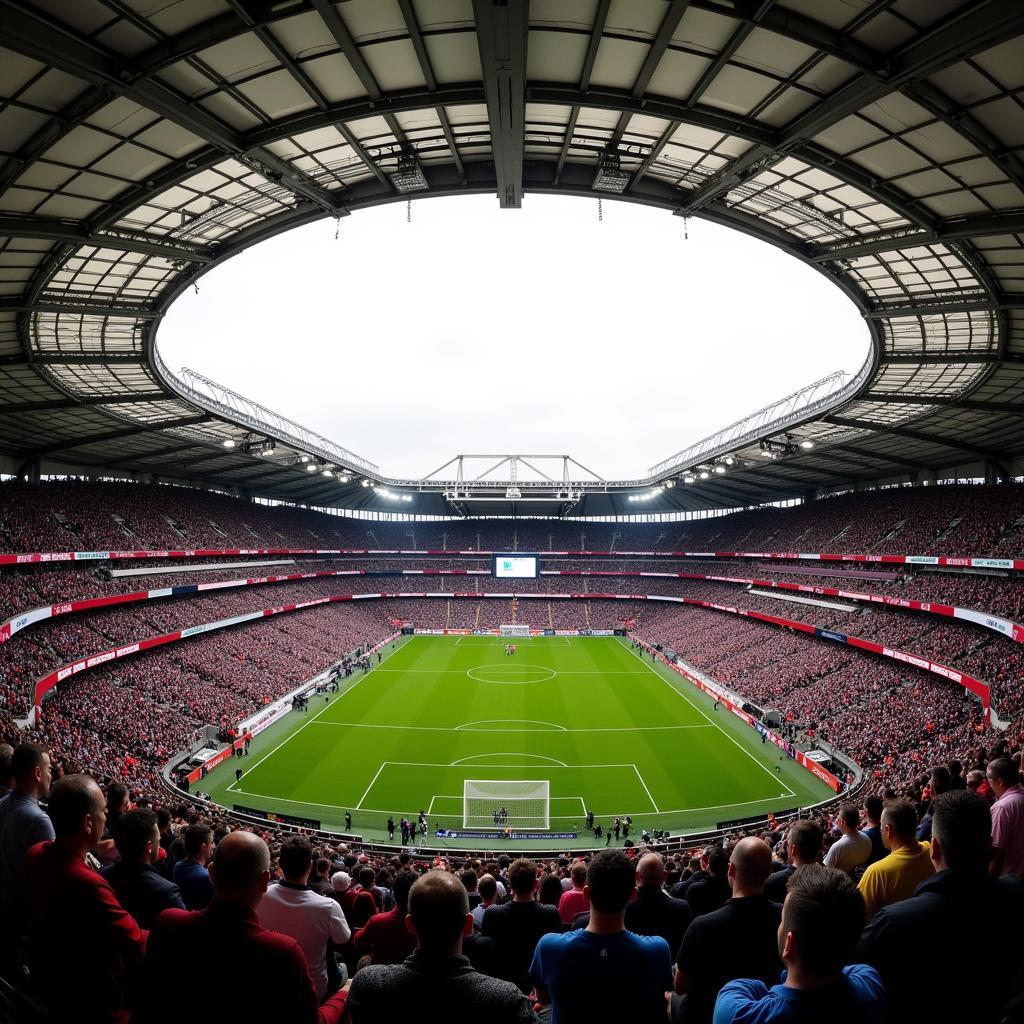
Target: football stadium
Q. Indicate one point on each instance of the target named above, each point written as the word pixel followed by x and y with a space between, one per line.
pixel 730 736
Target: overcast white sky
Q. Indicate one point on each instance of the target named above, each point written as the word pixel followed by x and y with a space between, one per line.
pixel 539 330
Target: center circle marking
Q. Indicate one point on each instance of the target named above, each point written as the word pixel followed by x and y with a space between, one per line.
pixel 485 674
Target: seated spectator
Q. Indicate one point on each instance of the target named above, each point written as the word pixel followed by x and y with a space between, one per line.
pixel 1007 817
pixel 803 845
pixel 320 880
pixel 853 848
pixel 549 890
pixel 922 937
pixel 709 893
pixel 488 889
pixel 603 972
pixel 821 921
pixel 191 875
pixel 739 940
pixel 358 906
pixel 574 901
pixel 139 887
pixel 385 938
pixel 292 908
pixel 895 877
pixel 515 927
pixel 436 983
pixel 873 814
pixel 470 883
pixel 22 824
pixel 250 959
pixel 82 942
pixel 654 912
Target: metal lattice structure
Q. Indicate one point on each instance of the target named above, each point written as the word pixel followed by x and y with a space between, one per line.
pixel 881 143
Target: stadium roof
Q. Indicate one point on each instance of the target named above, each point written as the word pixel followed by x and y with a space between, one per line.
pixel 882 142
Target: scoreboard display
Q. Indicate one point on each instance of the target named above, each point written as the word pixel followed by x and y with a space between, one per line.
pixel 515 566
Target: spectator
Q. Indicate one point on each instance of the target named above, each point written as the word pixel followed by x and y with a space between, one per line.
pixel 139 887
pixel 821 921
pixel 853 848
pixel 470 883
pixel 711 892
pixel 6 772
pixel 22 825
pixel 247 954
pixel 358 906
pixel 603 972
pixel 488 889
pixel 292 908
pixel 654 912
pixel 1007 818
pixel 804 847
pixel 922 937
pixel 191 875
pixel 574 901
pixel 895 877
pixel 436 982
pixel 873 815
pixel 320 882
pixel 385 936
pixel 72 909
pixel 549 891
pixel 938 783
pixel 699 873
pixel 515 927
pixel 739 940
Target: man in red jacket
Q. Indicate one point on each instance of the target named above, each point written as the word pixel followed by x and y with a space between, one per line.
pixel 243 953
pixel 82 942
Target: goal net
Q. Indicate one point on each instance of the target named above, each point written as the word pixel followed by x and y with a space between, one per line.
pixel 502 804
pixel 513 630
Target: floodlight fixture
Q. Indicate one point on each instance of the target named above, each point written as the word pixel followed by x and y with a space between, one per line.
pixel 228 442
pixel 310 467
pixel 343 478
pixel 807 444
pixel 729 460
pixel 720 469
pixel 409 176
pixel 704 474
pixel 689 479
pixel 328 472
pixel 303 458
pixel 366 483
pixel 610 175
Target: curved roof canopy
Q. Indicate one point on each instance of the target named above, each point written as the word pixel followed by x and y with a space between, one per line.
pixel 881 142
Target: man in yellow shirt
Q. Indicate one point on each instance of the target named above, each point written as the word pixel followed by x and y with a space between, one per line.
pixel 895 877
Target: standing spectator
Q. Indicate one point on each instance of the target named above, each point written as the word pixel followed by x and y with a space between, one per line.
pixel 1007 818
pixel 488 889
pixel 654 912
pixel 938 783
pixel 358 906
pixel 71 907
pixel 922 937
pixel 469 881
pixel 700 872
pixel 319 882
pixel 436 981
pixel 821 921
pixel 191 875
pixel 22 824
pixel 895 877
pixel 853 848
pixel 139 887
pixel 574 901
pixel 575 972
pixel 515 927
pixel 6 772
pixel 292 908
pixel 739 940
pixel 711 892
pixel 873 830
pixel 385 936
pixel 246 952
pixel 804 847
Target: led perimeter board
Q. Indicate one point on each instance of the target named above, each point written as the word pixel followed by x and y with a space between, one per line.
pixel 515 566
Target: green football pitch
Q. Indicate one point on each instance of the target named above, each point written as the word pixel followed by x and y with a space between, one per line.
pixel 608 729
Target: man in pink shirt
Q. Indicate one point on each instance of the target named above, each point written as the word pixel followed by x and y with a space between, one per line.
pixel 574 901
pixel 1007 818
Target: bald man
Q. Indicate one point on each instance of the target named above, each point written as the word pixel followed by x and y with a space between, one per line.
pixel 436 982
pixel 739 940
pixel 248 958
pixel 654 912
pixel 83 944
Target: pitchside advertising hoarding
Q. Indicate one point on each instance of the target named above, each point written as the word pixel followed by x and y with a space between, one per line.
pixel 447 833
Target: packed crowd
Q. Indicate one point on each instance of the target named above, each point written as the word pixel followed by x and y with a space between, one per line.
pixel 856 915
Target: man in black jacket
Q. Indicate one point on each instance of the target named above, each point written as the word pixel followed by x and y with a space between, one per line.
pixel 139 887
pixel 710 893
pixel 654 912
pixel 803 846
pixel 922 937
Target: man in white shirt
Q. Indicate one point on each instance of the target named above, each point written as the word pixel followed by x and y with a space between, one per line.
pixel 292 908
pixel 854 847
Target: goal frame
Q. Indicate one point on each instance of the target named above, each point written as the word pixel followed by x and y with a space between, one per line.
pixel 466 797
pixel 512 630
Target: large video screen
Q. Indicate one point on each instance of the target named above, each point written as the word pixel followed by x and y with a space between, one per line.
pixel 515 567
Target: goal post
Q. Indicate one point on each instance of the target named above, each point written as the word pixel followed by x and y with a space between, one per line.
pixel 517 804
pixel 513 630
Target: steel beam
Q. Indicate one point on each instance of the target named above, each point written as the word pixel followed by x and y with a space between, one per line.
pixel 79 307
pixel 53 404
pixel 73 358
pixel 1008 300
pixel 112 435
pixel 501 31
pixel 970 404
pixel 914 435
